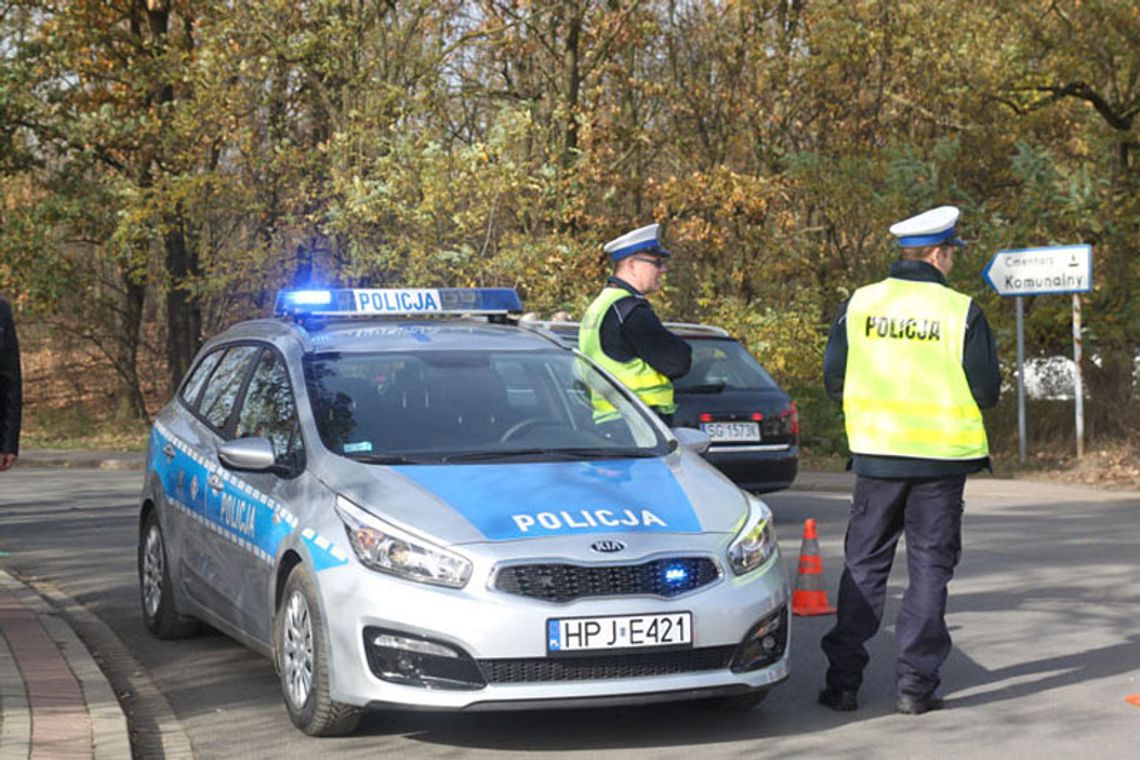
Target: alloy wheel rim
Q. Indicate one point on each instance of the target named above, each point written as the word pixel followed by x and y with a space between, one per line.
pixel 153 567
pixel 298 654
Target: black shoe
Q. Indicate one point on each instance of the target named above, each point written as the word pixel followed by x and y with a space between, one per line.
pixel 917 704
pixel 840 700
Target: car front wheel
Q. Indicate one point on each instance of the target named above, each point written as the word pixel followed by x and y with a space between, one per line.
pixel 303 664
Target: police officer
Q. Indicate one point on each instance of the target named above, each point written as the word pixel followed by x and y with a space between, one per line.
pixel 913 363
pixel 620 331
pixel 10 391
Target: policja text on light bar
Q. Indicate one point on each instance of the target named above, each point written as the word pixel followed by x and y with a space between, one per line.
pixel 361 302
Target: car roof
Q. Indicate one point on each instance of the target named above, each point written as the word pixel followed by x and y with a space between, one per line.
pixel 393 334
pixel 693 330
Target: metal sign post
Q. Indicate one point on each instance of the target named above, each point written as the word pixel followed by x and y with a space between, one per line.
pixel 1021 379
pixel 1078 385
pixel 1044 271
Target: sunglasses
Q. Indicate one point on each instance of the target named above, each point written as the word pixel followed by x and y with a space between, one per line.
pixel 659 263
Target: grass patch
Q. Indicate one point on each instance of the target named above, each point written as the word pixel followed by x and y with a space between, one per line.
pixel 74 428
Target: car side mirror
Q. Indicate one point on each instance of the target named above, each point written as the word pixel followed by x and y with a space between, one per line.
pixel 251 454
pixel 696 441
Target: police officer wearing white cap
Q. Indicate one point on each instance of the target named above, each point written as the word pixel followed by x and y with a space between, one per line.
pixel 621 332
pixel 913 362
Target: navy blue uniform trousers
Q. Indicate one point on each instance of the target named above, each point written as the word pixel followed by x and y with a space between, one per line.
pixel 929 511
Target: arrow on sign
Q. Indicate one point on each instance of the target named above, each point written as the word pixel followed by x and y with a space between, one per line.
pixel 1040 271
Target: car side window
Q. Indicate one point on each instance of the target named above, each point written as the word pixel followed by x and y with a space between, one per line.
pixel 222 389
pixel 268 410
pixel 193 386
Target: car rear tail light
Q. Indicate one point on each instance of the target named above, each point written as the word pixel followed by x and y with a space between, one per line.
pixel 786 424
pixel 705 417
pixel 757 417
pixel 792 415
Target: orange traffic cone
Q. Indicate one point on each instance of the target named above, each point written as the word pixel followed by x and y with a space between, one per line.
pixel 809 598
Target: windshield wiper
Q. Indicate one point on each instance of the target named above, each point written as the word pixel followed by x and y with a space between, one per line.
pixel 386 459
pixel 602 453
pixel 570 454
pixel 705 388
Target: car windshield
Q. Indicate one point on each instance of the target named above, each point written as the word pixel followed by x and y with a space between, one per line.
pixel 723 364
pixel 474 406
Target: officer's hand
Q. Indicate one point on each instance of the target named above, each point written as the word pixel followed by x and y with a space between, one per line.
pixel 6 461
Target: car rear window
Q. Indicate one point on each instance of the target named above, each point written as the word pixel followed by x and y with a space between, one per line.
pixel 724 363
pixel 197 379
pixel 222 389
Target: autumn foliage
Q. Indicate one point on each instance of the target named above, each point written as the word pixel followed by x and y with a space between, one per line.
pixel 166 165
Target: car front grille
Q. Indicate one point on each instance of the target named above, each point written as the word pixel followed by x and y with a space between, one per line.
pixel 555 582
pixel 609 666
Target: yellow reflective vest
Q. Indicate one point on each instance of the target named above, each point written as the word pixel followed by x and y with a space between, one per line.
pixel 651 386
pixel 905 392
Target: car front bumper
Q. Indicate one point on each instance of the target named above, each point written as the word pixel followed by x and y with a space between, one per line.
pixel 502 638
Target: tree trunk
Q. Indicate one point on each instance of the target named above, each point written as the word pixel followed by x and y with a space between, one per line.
pixel 572 79
pixel 130 405
pixel 183 316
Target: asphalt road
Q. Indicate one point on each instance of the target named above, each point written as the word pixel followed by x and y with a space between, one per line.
pixel 1045 612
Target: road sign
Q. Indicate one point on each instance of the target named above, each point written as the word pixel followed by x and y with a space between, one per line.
pixel 1040 271
pixel 1043 271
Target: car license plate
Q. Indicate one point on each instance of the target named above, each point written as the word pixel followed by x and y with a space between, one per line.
pixel 721 432
pixel 565 635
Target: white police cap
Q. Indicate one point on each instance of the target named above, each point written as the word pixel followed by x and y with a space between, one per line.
pixel 642 239
pixel 933 227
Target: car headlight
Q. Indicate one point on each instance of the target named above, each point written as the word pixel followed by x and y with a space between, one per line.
pixel 388 549
pixel 755 543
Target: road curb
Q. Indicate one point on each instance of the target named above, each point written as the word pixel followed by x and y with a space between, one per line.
pixel 58 697
pixel 83 641
pixel 108 723
pixel 16 726
pixel 154 727
pixel 823 481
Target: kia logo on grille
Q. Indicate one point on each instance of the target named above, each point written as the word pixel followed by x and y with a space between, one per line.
pixel 607 547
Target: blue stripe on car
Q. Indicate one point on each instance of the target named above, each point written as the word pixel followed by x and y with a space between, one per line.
pixel 507 501
pixel 245 516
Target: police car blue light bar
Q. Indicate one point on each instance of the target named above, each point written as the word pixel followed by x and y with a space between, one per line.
pixel 363 302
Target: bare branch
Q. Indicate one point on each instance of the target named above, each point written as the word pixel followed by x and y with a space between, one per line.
pixel 1082 91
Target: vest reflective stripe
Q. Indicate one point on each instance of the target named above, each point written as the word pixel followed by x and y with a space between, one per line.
pixel 912 408
pixel 651 386
pixel 905 392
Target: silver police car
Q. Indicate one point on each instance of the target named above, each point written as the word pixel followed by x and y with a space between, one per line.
pixel 402 497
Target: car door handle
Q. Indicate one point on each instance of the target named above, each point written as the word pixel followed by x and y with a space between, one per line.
pixel 214 482
pixel 168 452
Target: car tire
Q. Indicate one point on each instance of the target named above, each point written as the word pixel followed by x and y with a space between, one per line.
pixel 302 662
pixel 156 591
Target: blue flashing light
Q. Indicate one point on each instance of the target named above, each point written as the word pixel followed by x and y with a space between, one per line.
pixel 309 297
pixel 675 575
pixel 367 302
